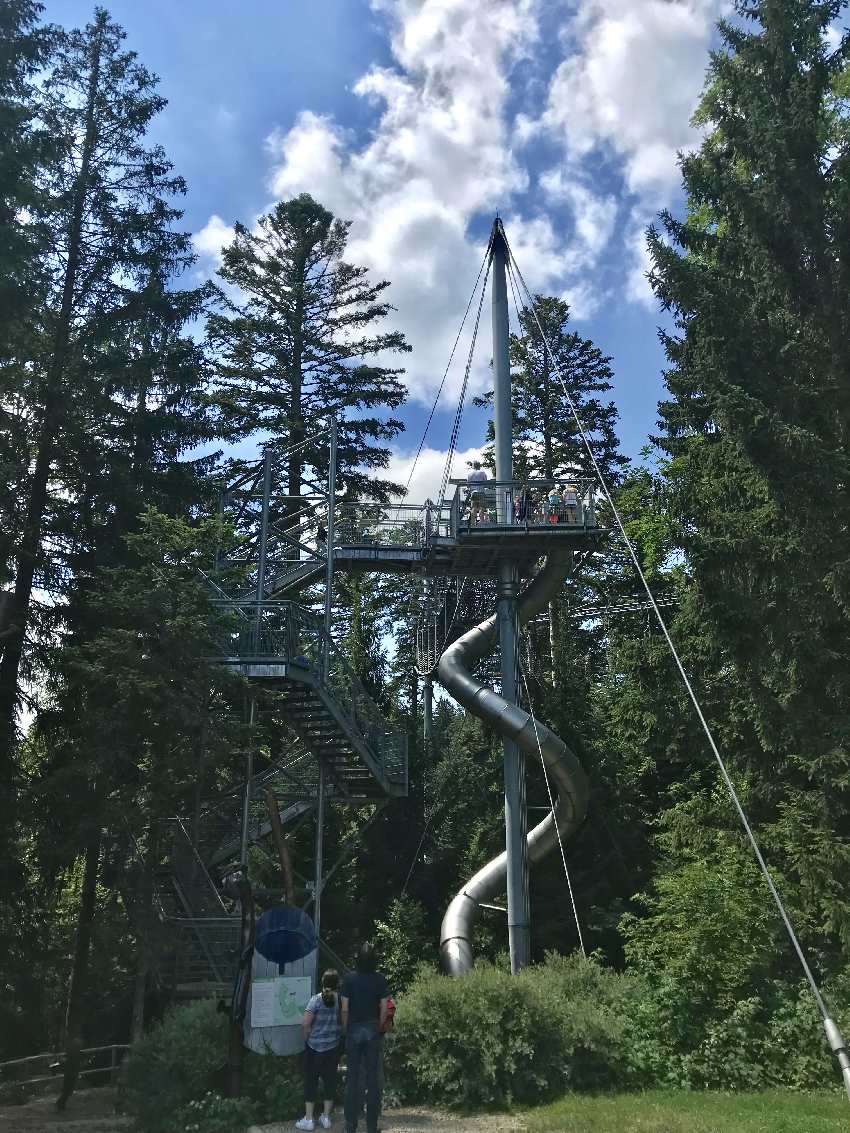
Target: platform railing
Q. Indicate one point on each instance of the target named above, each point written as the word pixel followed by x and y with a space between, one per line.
pixel 37 1069
pixel 521 503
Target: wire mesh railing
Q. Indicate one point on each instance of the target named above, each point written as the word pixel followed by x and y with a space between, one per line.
pixel 286 633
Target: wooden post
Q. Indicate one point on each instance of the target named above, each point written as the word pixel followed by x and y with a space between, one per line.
pixel 282 848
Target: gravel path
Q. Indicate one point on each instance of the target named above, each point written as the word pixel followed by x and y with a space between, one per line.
pixel 91 1111
pixel 425 1121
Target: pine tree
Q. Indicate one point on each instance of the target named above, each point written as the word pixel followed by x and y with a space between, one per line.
pixel 24 48
pixel 125 706
pixel 102 198
pixel 757 425
pixel 301 343
pixel 547 443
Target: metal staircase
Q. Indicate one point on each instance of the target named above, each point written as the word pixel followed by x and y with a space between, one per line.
pixel 283 645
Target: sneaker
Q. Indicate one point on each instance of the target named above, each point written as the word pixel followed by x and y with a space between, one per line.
pixel 325 1121
pixel 305 1123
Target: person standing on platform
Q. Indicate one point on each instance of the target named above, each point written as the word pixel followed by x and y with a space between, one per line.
pixel 322 1028
pixel 364 1016
pixel 474 496
pixel 569 496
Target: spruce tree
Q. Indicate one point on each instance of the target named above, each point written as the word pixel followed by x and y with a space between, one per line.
pixel 101 197
pixel 303 339
pixel 757 425
pixel 24 147
pixel 547 443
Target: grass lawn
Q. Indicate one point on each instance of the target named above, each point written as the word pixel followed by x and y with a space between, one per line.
pixel 677 1111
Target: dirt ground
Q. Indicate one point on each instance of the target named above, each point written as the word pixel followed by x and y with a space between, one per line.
pixel 91 1111
pixel 88 1110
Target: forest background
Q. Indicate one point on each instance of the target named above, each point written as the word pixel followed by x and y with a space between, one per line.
pixel 114 371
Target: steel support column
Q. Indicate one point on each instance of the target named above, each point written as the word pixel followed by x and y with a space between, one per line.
pixel 428 697
pixel 329 549
pixel 320 842
pixel 516 822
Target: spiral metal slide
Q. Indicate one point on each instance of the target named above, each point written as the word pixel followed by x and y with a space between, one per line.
pixel 566 775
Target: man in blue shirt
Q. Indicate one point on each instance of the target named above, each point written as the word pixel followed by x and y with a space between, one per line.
pixel 364 1014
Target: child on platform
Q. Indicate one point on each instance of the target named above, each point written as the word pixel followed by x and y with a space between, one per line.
pixel 322 1029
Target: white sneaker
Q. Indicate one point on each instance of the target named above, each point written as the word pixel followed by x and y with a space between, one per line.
pixel 325 1121
pixel 305 1123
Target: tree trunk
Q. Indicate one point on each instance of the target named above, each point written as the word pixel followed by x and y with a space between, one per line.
pixel 143 938
pixel 28 552
pixel 236 1042
pixel 79 972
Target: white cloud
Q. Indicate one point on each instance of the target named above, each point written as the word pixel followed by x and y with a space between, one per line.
pixel 627 92
pixel 594 216
pixel 439 156
pixel 425 483
pixel 833 37
pixel 209 242
pixel 446 150
pixel 639 263
pixel 633 84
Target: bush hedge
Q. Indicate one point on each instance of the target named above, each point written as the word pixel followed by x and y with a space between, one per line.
pixel 492 1039
pixel 172 1078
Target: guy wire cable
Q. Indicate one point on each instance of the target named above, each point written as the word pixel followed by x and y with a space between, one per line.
pixel 833 1034
pixel 552 805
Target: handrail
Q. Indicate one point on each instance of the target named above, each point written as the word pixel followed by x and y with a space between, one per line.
pixel 290 633
pixel 57 1058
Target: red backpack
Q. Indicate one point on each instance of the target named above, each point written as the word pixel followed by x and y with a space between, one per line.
pixel 389 1022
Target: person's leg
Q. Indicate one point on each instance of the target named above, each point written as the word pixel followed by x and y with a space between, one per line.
pixel 373 1087
pixel 329 1067
pixel 311 1081
pixel 354 1056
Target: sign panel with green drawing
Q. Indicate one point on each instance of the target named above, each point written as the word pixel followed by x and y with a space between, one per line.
pixel 279 1002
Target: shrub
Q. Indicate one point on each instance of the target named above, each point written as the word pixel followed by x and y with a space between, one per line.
pixel 401 939
pixel 175 1063
pixel 716 1016
pixel 275 1085
pixel 214 1114
pixel 491 1039
pixel 172 1074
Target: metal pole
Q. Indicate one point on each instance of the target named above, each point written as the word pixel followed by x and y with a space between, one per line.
pixel 428 692
pixel 320 838
pixel 329 550
pixel 246 801
pixel 260 592
pixel 516 823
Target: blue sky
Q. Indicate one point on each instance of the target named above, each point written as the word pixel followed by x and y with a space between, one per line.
pixel 417 120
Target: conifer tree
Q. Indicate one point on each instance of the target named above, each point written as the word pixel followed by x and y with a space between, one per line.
pixel 757 422
pixel 102 197
pixel 304 339
pixel 547 443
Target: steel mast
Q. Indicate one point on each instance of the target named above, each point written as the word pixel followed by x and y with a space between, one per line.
pixel 516 822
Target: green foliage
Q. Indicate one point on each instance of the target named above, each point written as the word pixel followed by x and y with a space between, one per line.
pixel 717 1015
pixel 756 430
pixel 491 1039
pixel 172 1074
pixel 275 1086
pixel 403 942
pixel 214 1114
pixel 174 1064
pixel 304 339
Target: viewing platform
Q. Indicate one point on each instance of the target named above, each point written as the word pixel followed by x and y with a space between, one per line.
pixel 481 525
